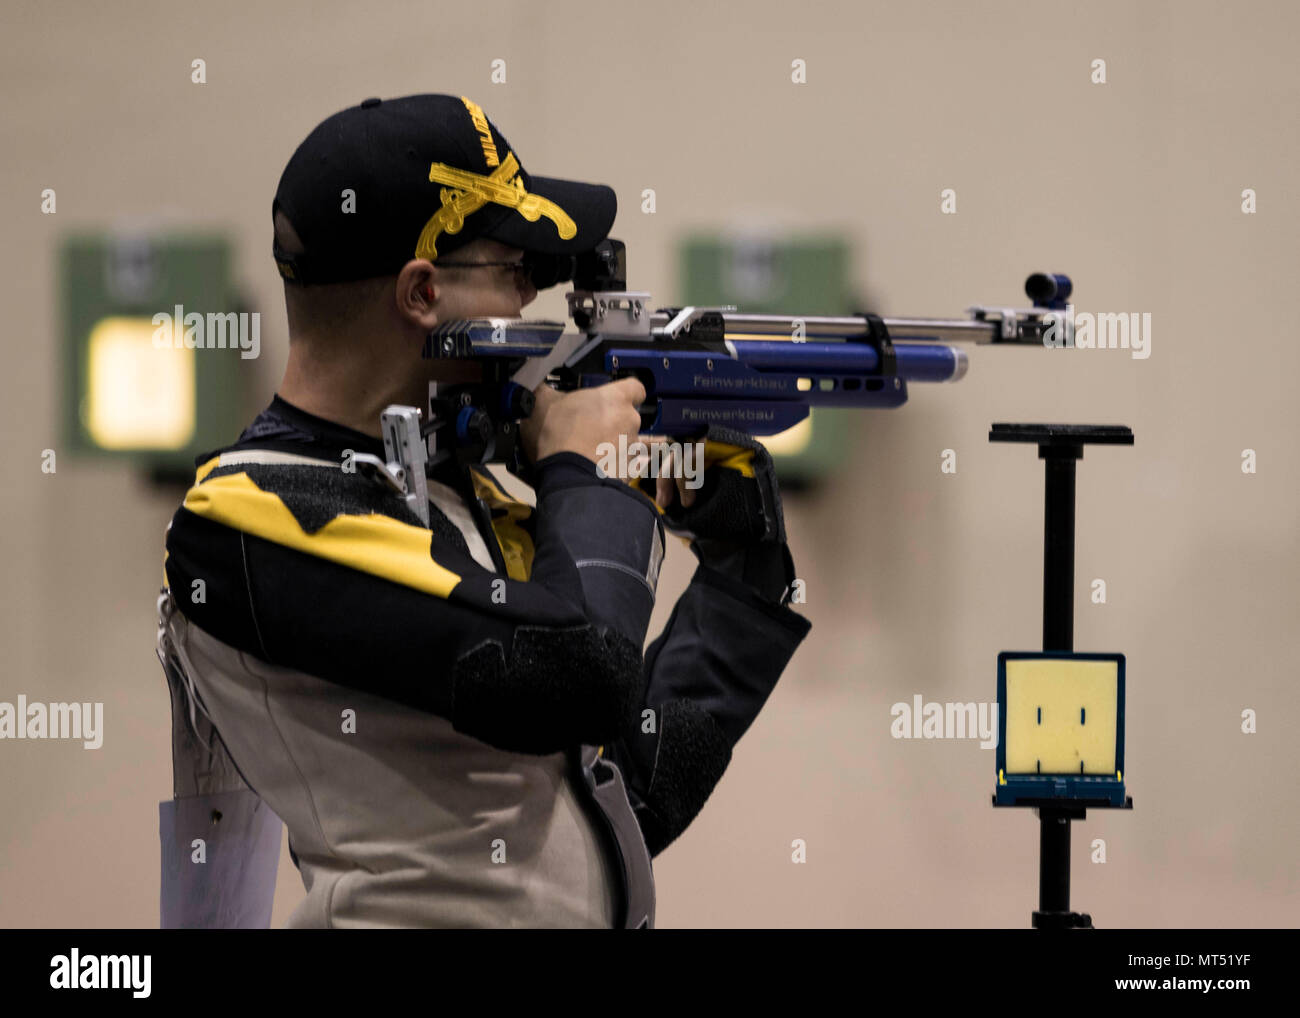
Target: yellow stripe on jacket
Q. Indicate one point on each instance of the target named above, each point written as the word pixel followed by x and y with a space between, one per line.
pixel 370 543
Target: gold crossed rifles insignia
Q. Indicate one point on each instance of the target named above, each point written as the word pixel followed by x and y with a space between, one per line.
pixel 465 192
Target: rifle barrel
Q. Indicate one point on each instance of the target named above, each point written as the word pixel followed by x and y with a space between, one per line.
pixel 943 330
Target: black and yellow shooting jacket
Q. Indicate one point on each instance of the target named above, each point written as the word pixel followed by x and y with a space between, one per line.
pixel 457 724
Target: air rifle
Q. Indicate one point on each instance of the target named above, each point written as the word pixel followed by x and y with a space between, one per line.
pixel 755 373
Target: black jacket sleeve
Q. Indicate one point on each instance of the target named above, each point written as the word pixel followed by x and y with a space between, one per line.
pixel 711 670
pixel 707 675
pixel 324 572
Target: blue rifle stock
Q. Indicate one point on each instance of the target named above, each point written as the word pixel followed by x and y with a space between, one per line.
pixel 755 373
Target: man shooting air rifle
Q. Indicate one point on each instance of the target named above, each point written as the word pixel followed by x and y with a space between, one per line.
pixel 439 689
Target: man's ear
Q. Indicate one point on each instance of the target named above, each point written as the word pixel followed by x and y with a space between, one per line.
pixel 417 294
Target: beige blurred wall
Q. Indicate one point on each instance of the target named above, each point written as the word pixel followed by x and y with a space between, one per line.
pixel 915 579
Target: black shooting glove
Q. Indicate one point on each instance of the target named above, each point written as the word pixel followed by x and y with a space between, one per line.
pixel 735 525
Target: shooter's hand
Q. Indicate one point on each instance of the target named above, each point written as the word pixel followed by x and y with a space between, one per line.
pixel 664 482
pixel 583 420
pixel 735 522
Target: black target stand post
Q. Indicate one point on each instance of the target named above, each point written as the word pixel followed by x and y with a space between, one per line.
pixel 1052 755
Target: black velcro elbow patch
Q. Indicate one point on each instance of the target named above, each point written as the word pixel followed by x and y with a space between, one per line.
pixel 693 754
pixel 560 688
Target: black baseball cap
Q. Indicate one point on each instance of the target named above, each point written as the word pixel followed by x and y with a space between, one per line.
pixel 390 180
